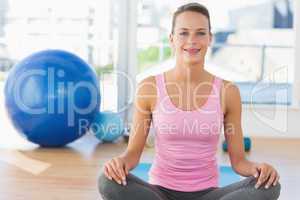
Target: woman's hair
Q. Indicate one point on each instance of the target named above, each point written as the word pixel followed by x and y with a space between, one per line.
pixel 194 7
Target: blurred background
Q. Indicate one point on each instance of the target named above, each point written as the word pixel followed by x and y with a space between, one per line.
pixel 254 46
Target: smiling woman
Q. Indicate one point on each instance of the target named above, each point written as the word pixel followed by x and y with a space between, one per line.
pixel 185 164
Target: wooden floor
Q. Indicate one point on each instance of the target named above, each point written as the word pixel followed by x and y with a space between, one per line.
pixel 29 172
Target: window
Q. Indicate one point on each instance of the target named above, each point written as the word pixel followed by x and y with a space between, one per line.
pixel 89 30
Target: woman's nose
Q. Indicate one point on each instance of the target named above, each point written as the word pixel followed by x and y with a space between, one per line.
pixel 191 39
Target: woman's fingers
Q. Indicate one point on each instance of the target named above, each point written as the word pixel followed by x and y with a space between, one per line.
pixel 126 170
pixel 255 172
pixel 267 175
pixel 115 170
pixel 271 180
pixel 276 180
pixel 264 175
pixel 112 172
pixel 120 168
pixel 106 173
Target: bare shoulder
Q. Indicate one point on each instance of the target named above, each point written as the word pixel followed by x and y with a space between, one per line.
pixel 147 86
pixel 230 88
pixel 231 98
pixel 146 92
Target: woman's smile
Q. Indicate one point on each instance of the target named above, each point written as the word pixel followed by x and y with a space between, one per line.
pixel 191 51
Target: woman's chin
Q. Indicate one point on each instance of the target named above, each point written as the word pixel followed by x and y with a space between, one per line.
pixel 192 61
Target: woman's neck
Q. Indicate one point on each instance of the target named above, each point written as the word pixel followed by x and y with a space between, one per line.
pixel 192 73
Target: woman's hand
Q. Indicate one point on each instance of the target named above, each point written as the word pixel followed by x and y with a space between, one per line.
pixel 116 169
pixel 265 174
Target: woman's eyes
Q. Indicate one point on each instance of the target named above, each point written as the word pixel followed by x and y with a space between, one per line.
pixel 201 33
pixel 186 33
pixel 183 33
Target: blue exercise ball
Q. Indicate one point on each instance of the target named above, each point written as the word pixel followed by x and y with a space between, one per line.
pixel 52 97
pixel 108 126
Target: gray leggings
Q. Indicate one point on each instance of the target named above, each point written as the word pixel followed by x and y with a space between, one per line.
pixel 137 189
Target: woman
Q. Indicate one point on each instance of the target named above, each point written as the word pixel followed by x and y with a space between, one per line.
pixel 188 107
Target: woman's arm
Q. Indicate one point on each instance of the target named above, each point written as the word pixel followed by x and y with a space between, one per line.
pixel 233 130
pixel 146 93
pixel 234 137
pixel 117 168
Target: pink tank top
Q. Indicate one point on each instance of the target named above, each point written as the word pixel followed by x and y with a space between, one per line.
pixel 186 142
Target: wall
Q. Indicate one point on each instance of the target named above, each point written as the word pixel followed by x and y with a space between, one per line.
pixel 278 121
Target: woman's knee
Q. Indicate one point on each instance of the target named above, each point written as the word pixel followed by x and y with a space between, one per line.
pixel 274 191
pixel 271 193
pixel 105 185
pixel 102 182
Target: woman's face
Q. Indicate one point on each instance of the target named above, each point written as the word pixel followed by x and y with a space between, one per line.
pixel 191 37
